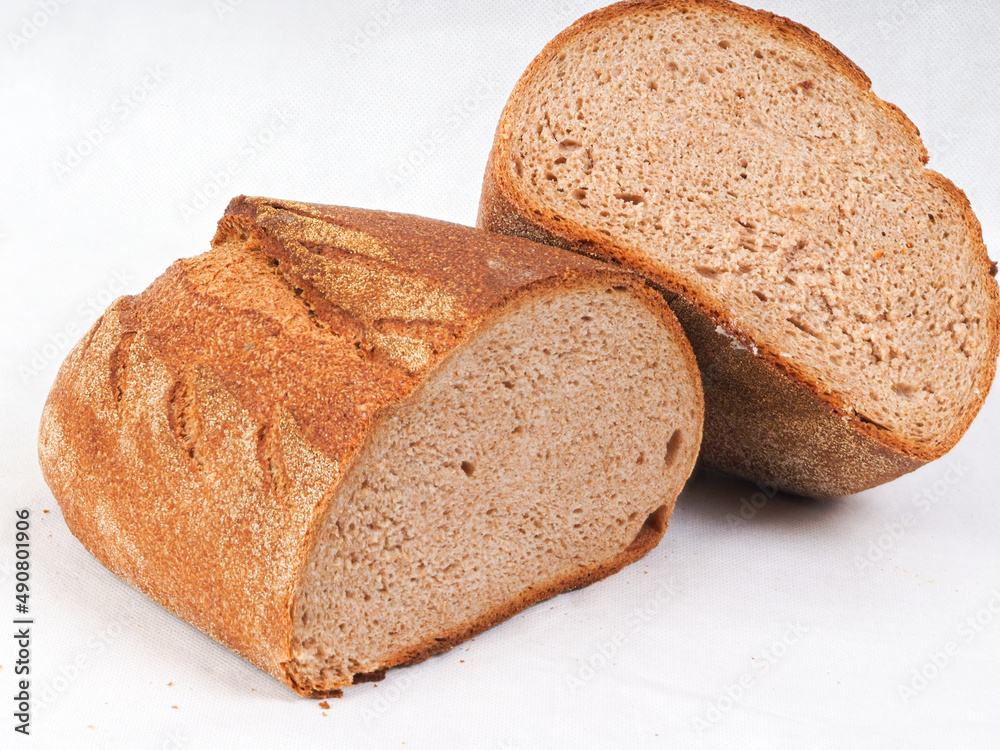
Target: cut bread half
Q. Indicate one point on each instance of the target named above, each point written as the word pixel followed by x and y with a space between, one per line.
pixel 345 440
pixel 837 292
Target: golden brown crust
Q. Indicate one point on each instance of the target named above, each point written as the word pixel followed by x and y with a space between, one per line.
pixel 504 209
pixel 195 436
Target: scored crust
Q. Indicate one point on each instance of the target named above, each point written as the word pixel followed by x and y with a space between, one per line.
pixel 797 435
pixel 193 439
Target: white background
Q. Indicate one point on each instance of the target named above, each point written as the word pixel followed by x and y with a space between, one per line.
pixel 393 106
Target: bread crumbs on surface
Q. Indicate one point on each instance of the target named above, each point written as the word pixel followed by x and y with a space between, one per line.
pixel 324 704
pixel 173 706
pixel 169 684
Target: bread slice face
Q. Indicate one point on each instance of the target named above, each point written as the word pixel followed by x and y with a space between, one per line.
pixel 535 459
pixel 836 291
pixel 345 440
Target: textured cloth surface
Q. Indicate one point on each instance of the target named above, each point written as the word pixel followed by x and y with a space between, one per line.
pixel 760 621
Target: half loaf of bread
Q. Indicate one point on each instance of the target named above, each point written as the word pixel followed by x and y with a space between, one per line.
pixel 344 440
pixel 837 292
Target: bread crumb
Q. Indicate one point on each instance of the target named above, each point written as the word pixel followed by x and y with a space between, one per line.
pixel 324 704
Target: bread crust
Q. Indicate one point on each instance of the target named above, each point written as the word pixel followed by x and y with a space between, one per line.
pixel 197 434
pixel 864 456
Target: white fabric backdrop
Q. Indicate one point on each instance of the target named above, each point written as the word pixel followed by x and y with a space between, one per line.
pixel 126 127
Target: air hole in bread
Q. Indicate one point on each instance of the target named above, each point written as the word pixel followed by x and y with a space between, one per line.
pixel 633 198
pixel 673 448
pixel 907 390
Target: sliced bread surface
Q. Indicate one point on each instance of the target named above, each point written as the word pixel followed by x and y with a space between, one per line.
pixel 837 292
pixel 345 440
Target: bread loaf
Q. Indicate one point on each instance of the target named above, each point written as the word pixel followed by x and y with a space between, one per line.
pixel 343 440
pixel 837 293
